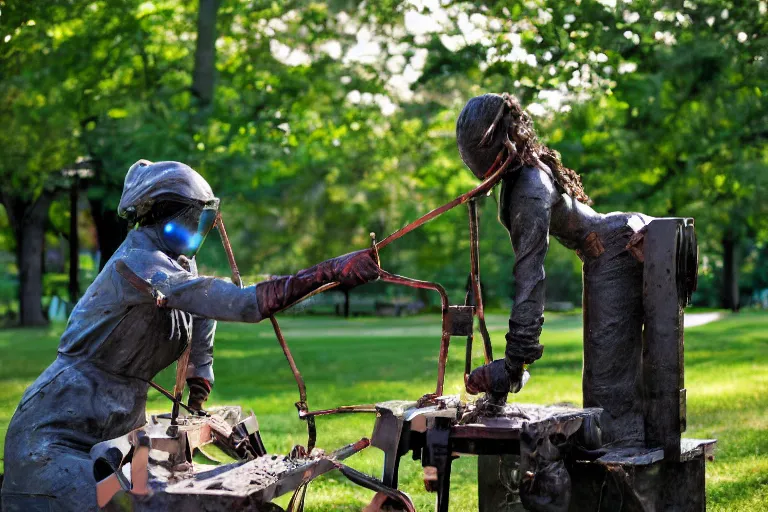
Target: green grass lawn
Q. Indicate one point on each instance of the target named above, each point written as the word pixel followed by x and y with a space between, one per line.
pixel 368 360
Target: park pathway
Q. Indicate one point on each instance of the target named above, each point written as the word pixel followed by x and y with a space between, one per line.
pixel 697 319
pixel 409 327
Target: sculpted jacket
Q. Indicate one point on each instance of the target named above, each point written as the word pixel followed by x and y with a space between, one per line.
pixel 532 206
pixel 116 340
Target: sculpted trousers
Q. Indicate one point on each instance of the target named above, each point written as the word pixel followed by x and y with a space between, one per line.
pixel 67 485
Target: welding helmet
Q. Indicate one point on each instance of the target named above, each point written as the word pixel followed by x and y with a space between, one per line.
pixel 172 198
pixel 175 201
pixel 182 226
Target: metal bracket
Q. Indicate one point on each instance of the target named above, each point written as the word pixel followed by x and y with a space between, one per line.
pixel 459 320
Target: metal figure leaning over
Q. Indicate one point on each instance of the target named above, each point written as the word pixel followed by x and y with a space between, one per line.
pixel 539 196
pixel 118 338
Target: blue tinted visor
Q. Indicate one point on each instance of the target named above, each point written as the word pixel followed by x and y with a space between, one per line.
pixel 186 232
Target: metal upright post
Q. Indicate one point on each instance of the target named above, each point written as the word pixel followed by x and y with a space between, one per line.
pixel 666 247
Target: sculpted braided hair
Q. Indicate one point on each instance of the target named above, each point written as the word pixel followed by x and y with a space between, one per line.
pixel 482 129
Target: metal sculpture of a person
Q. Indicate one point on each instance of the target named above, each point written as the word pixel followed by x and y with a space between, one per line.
pixel 539 197
pixel 117 338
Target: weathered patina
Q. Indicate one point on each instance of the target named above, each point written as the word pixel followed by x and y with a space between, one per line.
pixel 151 468
pixel 124 330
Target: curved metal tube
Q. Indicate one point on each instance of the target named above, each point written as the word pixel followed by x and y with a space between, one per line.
pixel 344 409
pixel 291 362
pixel 470 339
pixel 376 485
pixel 415 283
pixel 446 336
pixel 301 405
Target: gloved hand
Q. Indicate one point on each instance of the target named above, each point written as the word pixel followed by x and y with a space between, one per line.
pixel 354 269
pixel 349 270
pixel 199 389
pixel 496 378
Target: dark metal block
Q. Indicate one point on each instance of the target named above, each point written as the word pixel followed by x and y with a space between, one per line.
pixel 638 485
pixel 459 320
pixel 669 254
pixel 388 434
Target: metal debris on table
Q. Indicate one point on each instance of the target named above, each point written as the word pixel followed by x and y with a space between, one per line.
pixel 154 466
pixel 438 433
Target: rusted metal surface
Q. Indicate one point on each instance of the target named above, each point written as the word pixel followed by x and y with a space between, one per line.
pixel 291 361
pixel 181 381
pixel 344 409
pixel 258 480
pixel 445 338
pixel 439 433
pixel 161 462
pixel 236 279
pixel 415 283
pixel 635 245
pixel 167 394
pixel 593 246
pixel 140 284
pixel 474 240
pixel 301 405
pixel 171 445
pixel 470 339
pixel 481 189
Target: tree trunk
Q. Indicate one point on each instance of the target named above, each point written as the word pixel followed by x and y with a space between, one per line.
pixel 74 242
pixel 205 53
pixel 28 219
pixel 730 290
pixel 110 229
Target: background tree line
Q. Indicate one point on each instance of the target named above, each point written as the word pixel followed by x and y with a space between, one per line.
pixel 319 122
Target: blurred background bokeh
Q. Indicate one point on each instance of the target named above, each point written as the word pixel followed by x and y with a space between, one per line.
pixel 320 122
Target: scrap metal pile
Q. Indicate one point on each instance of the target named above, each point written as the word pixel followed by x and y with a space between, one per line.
pixel 154 466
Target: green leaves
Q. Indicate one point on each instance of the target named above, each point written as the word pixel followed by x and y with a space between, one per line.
pixel 331 120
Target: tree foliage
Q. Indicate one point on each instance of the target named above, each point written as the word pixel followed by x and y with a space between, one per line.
pixel 325 121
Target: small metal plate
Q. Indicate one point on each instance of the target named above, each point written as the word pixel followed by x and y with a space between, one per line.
pixel 459 320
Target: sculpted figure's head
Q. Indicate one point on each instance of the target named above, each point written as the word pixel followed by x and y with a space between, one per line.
pixel 173 199
pixel 494 127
